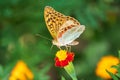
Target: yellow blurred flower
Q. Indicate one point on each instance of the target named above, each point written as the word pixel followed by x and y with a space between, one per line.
pixel 21 72
pixel 104 64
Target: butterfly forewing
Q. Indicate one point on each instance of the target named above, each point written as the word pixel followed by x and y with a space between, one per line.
pixel 54 20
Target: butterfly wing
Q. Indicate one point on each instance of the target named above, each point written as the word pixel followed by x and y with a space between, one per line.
pixel 69 31
pixel 69 23
pixel 54 20
pixel 64 29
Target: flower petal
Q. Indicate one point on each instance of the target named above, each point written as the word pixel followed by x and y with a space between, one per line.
pixel 70 56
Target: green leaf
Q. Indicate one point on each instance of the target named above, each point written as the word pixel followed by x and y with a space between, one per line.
pixel 118 75
pixel 118 69
pixel 112 75
pixel 63 78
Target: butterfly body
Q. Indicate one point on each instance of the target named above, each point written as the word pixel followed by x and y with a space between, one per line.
pixel 64 29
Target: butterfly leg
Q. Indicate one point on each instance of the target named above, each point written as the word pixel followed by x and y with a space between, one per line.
pixel 51 47
pixel 68 48
pixel 59 47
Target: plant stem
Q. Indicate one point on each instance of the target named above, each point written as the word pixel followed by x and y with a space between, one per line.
pixel 71 71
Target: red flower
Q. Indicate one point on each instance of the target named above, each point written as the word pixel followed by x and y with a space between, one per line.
pixel 63 58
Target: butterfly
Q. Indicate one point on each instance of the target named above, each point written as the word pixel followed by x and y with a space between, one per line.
pixel 64 29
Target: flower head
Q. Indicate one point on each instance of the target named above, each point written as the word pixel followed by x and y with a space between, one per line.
pixel 104 64
pixel 21 72
pixel 63 58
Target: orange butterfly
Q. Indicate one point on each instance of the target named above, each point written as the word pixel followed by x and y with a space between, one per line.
pixel 64 29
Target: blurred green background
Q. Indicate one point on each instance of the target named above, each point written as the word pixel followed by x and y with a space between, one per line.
pixel 21 20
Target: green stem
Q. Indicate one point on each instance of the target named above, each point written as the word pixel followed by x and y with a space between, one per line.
pixel 71 71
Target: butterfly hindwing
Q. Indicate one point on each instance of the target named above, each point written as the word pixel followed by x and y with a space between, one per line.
pixel 70 22
pixel 69 31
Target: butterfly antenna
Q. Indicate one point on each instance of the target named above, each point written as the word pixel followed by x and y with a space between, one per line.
pixel 51 47
pixel 43 37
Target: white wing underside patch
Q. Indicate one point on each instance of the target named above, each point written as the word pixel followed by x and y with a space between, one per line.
pixel 71 34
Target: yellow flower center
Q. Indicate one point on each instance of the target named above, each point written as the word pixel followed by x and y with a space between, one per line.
pixel 61 54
